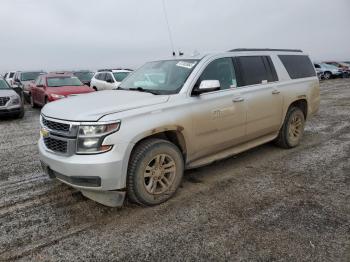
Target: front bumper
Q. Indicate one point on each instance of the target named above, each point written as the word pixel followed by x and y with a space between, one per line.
pixel 100 172
pixel 14 110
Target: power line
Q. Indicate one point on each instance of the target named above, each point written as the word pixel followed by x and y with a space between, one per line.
pixel 168 26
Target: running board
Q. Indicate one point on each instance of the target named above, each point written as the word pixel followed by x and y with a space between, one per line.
pixel 231 151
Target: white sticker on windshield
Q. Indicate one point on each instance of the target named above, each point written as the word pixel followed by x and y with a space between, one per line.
pixel 186 64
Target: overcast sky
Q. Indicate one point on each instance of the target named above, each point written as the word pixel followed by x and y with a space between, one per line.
pixel 89 34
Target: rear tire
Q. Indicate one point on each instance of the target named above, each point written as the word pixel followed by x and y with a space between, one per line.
pixel 155 172
pixel 292 130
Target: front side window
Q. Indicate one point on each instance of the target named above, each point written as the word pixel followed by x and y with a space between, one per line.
pixel 222 70
pixel 63 81
pixel 160 77
pixel 119 76
pixel 3 84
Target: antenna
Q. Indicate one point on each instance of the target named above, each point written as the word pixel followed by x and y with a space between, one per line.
pixel 169 30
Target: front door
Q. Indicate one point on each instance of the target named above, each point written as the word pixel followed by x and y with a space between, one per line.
pixel 218 117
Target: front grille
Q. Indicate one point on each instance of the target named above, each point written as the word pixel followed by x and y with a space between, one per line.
pixel 55 126
pixel 4 100
pixel 56 145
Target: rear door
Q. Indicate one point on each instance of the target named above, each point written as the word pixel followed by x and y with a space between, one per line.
pixel 258 83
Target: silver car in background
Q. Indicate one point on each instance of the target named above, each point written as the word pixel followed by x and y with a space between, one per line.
pixel 328 71
pixel 11 103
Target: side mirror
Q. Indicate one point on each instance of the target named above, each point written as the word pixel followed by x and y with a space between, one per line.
pixel 207 86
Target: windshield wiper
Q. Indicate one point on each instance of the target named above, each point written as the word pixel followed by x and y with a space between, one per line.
pixel 140 89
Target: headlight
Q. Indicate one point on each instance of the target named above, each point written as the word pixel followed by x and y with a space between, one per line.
pixel 15 100
pixel 57 96
pixel 90 137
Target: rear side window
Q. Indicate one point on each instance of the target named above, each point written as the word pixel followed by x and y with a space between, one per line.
pixel 254 70
pixel 298 66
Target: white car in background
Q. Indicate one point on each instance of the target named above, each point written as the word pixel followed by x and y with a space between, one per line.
pixel 9 76
pixel 108 79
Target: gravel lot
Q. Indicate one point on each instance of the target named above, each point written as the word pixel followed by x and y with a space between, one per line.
pixel 263 205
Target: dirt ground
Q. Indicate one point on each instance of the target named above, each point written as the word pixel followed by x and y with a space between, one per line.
pixel 266 204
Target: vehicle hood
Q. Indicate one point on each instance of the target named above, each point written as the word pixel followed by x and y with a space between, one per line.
pixel 69 90
pixel 93 106
pixel 7 92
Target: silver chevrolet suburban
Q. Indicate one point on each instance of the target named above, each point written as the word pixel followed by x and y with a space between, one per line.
pixel 173 115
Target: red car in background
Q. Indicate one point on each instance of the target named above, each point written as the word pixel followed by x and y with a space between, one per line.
pixel 54 86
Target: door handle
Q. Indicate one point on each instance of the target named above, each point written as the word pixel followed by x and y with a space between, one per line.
pixel 276 92
pixel 238 99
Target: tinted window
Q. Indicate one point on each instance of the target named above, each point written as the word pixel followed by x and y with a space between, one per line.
pixel 101 76
pixel 255 69
pixel 222 70
pixel 98 76
pixel 11 75
pixel 109 77
pixel 298 66
pixel 317 66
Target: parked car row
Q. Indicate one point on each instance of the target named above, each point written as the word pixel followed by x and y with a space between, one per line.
pixel 40 87
pixel 332 69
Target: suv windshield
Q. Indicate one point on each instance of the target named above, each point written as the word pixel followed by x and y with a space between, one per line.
pixel 63 81
pixel 119 76
pixel 160 77
pixel 3 84
pixel 29 76
pixel 84 76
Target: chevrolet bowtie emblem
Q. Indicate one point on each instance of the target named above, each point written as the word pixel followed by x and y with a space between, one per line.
pixel 44 132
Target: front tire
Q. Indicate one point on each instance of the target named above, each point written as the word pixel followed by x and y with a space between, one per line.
pixel 155 172
pixel 327 75
pixel 292 130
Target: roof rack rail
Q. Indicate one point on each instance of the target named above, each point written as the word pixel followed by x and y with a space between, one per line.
pixel 265 49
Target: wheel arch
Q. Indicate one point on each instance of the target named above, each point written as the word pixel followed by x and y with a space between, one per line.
pixel 302 104
pixel 173 134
